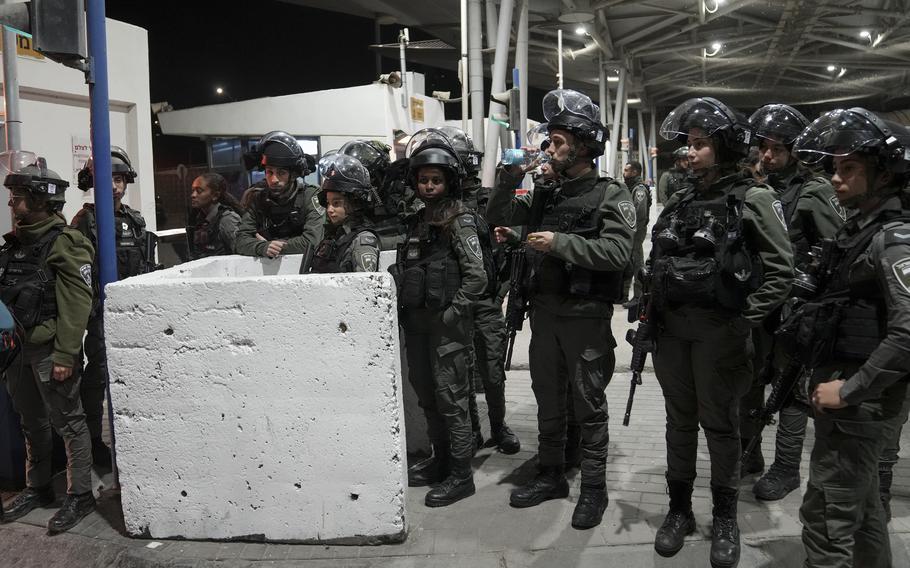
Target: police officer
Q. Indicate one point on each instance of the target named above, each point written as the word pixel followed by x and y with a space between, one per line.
pixel 374 155
pixel 853 335
pixel 577 255
pixel 440 272
pixel 350 243
pixel 46 281
pixel 285 217
pixel 489 330
pixel 641 198
pixel 133 258
pixel 721 262
pixel 812 213
pixel 214 218
pixel 673 179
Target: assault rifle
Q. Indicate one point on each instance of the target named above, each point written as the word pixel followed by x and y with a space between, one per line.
pixel 306 260
pixel 782 387
pixel 642 341
pixel 517 307
pixel 151 244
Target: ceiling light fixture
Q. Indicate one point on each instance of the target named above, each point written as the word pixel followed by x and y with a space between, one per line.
pixel 842 71
pixel 580 30
pixel 715 49
pixel 831 68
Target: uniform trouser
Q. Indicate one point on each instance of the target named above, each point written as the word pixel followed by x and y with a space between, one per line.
pixel 576 354
pixel 489 344
pixel 438 361
pixel 791 432
pixel 891 447
pixel 754 399
pixel 43 403
pixel 843 519
pixel 704 367
pixel 638 260
pixel 94 377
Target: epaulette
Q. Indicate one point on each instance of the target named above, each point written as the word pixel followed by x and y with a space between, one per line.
pixel 467 220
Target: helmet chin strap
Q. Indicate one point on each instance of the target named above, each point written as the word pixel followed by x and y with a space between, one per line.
pixel 561 166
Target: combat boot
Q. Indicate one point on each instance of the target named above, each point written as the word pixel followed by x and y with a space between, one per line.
pixel 476 442
pixel 679 522
pixel 589 511
pixel 28 500
pixel 549 483
pixel 725 534
pixel 74 509
pixel 572 451
pixel 505 439
pixel 885 475
pixel 756 461
pixel 431 470
pixel 777 483
pixel 455 487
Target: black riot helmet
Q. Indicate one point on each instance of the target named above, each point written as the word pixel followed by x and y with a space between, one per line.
pixel 464 146
pixel 573 111
pixel 373 154
pixel 26 171
pixel 281 150
pixel 681 153
pixel 843 132
pixel 778 123
pixel 430 147
pixel 120 165
pixel 344 174
pixel 726 126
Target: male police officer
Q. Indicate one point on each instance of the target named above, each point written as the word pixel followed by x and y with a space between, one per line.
pixel 812 213
pixel 46 281
pixel 577 254
pixel 641 197
pixel 853 335
pixel 285 217
pixel 673 179
pixel 133 257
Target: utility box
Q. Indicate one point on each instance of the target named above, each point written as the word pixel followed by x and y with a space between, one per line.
pixel 251 402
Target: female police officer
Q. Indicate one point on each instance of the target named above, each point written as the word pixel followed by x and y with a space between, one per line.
pixel 721 262
pixel 855 335
pixel 440 271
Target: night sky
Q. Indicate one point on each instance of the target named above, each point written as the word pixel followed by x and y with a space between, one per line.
pixel 260 49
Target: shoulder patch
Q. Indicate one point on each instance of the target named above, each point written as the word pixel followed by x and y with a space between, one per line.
pixel 897 236
pixel 638 195
pixel 838 208
pixel 466 220
pixel 627 209
pixel 366 238
pixel 901 270
pixel 778 208
pixel 86 272
pixel 474 246
pixel 317 206
pixel 369 261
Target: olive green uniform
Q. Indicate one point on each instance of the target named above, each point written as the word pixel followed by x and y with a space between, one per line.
pixel 707 304
pixel 347 248
pixel 440 275
pixel 857 329
pixel 669 183
pixel 572 291
pixel 812 211
pixel 41 401
pixel 641 198
pixel 295 217
pixel 213 233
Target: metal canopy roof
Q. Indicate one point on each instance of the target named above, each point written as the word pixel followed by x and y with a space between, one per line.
pixel 794 51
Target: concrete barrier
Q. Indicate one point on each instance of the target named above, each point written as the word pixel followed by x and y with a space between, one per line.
pixel 254 403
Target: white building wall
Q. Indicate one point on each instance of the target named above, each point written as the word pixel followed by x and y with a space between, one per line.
pixel 55 108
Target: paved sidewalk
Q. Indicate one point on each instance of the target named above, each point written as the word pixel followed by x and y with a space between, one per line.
pixel 483 531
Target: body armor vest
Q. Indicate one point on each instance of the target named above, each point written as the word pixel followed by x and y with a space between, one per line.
pixel 427 270
pixel 710 265
pixel 207 236
pixel 334 253
pixel 575 215
pixel 28 284
pixel 129 240
pixel 283 220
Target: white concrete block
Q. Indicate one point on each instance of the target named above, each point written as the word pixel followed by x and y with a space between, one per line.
pixel 252 402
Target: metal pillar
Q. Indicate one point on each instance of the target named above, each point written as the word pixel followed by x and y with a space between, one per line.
pixel 11 91
pixel 652 160
pixel 559 49
pixel 498 84
pixel 475 69
pixel 625 130
pixel 616 131
pixel 643 147
pixel 464 66
pixel 521 62
pixel 602 101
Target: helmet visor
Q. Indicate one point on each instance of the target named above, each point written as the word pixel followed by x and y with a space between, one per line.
pixel 694 113
pixel 561 101
pixel 362 152
pixel 539 137
pixel 836 133
pixel 342 169
pixel 779 123
pixel 426 138
pixel 15 160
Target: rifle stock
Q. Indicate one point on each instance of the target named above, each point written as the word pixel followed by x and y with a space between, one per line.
pixel 642 341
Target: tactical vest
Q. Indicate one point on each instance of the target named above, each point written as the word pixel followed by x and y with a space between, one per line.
pixel 848 321
pixel 720 276
pixel 575 215
pixel 283 220
pixel 129 240
pixel 28 284
pixel 789 199
pixel 206 239
pixel 426 271
pixel 676 182
pixel 334 254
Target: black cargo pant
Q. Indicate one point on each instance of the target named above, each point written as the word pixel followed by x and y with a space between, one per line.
pixel 94 377
pixel 574 354
pixel 488 360
pixel 704 366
